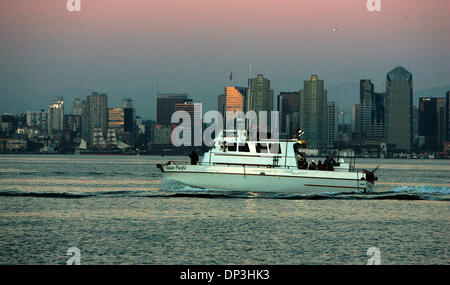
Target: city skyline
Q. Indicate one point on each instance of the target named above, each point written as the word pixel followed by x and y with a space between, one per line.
pixel 52 52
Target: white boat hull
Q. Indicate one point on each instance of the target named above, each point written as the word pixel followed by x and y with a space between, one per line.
pixel 262 179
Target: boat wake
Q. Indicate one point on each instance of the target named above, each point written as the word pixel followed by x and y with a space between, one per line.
pixel 430 193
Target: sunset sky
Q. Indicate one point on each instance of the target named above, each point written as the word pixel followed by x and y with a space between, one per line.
pixel 126 47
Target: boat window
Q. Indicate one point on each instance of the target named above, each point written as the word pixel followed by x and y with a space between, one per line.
pixel 261 148
pixel 274 148
pixel 231 146
pixel 244 148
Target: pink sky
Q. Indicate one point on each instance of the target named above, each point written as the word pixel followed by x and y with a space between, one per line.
pixel 181 44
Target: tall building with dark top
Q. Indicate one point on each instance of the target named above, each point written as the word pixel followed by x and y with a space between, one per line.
pixel 123 121
pixel 194 109
pixel 399 108
pixel 287 104
pixel 371 113
pixel 432 124
pixel 447 116
pixel 427 122
pixel 221 104
pixel 165 106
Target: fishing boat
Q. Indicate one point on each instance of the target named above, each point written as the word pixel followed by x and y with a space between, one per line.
pixel 235 163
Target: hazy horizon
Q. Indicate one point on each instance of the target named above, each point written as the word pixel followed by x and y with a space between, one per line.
pixel 127 48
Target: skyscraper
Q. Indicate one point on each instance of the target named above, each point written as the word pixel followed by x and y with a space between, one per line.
pixel 447 116
pixel 371 124
pixel 432 122
pixel 428 122
pixel 37 120
pixel 55 118
pixel 355 120
pixel 77 107
pixel 123 121
pixel 221 104
pixel 235 98
pixel 165 106
pixel 398 108
pixel 195 128
pixel 288 103
pixel 95 116
pixel 332 125
pixel 314 112
pixel 129 128
pixel 441 123
pixel 260 97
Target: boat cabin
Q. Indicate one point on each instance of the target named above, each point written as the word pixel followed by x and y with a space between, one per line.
pixel 234 148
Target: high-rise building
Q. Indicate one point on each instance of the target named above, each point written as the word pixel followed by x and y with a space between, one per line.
pixel 37 120
pixel 314 112
pixel 72 123
pixel 441 123
pixel 123 122
pixel 288 103
pixel 235 98
pixel 427 122
pixel 95 116
pixel 260 97
pixel 77 107
pixel 292 124
pixel 221 104
pixel 371 120
pixel 165 106
pixel 398 108
pixel 447 116
pixel 8 124
pixel 55 119
pixel 432 122
pixel 116 122
pixel 355 120
pixel 161 134
pixel 129 130
pixel 332 125
pixel 415 123
pixel 195 128
pixel 127 103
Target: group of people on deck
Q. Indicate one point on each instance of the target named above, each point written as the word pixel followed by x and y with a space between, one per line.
pixel 328 164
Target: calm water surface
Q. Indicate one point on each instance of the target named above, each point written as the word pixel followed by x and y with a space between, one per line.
pixel 117 210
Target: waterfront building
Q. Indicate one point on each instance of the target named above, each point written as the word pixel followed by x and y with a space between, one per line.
pixel 260 97
pixel 332 124
pixel 95 116
pixel 287 104
pixel 123 122
pixel 55 120
pixel 37 120
pixel 165 106
pixel 194 109
pixel 371 113
pixel 399 108
pixel 221 104
pixel 314 112
pixel 77 107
